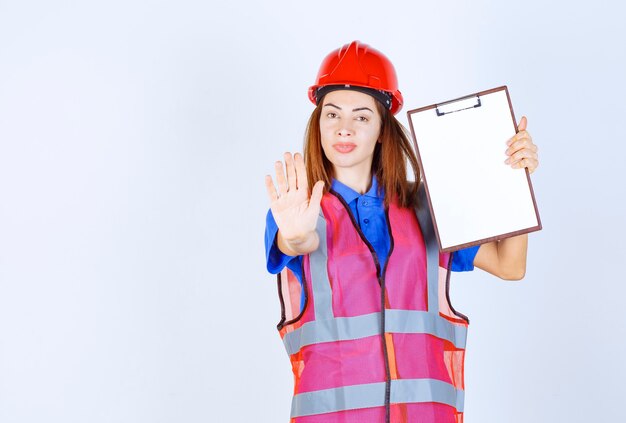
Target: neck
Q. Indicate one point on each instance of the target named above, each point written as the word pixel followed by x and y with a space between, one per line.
pixel 358 181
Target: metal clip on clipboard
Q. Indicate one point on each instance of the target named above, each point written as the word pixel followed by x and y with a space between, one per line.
pixel 458 105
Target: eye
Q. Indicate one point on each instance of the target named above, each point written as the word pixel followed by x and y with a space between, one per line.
pixel 331 115
pixel 362 119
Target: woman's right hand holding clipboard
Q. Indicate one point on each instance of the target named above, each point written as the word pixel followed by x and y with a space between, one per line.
pixel 521 150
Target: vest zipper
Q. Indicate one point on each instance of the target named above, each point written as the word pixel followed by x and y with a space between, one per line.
pixel 381 281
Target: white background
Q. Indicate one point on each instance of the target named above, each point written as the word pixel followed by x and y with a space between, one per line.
pixel 134 137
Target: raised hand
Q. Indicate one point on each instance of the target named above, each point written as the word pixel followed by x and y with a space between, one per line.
pixel 522 151
pixel 294 212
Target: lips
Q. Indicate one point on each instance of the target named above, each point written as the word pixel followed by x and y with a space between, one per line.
pixel 344 147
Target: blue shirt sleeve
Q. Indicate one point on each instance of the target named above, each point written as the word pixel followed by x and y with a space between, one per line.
pixel 276 259
pixel 463 260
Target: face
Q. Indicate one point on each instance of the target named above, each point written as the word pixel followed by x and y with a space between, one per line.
pixel 350 128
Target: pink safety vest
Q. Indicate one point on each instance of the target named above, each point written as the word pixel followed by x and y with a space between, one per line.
pixel 367 348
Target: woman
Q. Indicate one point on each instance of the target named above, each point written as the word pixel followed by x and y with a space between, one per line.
pixel 366 317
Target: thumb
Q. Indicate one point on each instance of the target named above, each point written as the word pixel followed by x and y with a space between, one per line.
pixel 522 124
pixel 316 193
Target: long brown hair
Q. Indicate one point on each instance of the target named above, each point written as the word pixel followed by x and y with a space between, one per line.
pixel 389 164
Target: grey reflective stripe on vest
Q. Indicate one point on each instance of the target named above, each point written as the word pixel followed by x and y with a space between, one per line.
pixel 415 321
pixel 427 390
pixel 396 321
pixel 322 292
pixel 432 249
pixel 373 395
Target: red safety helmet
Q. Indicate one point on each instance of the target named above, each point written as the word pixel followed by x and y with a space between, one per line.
pixel 359 65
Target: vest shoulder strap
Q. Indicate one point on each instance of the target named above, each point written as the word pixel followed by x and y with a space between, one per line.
pixel 425 220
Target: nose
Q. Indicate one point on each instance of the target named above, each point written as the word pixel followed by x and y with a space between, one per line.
pixel 345 130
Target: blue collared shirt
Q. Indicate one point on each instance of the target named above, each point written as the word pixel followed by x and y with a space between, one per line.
pixel 369 212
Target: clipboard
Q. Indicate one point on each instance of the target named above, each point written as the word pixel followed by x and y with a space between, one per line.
pixel 473 196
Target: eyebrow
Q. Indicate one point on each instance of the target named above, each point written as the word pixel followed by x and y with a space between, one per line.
pixel 358 109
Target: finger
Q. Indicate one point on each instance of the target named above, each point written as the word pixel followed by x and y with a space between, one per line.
pixel 521 135
pixel 301 178
pixel 524 143
pixel 280 178
pixel 519 155
pixel 271 189
pixel 529 163
pixel 316 194
pixel 524 154
pixel 521 131
pixel 291 172
pixel 522 124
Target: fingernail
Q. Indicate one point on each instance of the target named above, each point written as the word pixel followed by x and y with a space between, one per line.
pixel 507 161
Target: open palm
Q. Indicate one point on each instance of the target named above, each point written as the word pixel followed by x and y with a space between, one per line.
pixel 294 212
